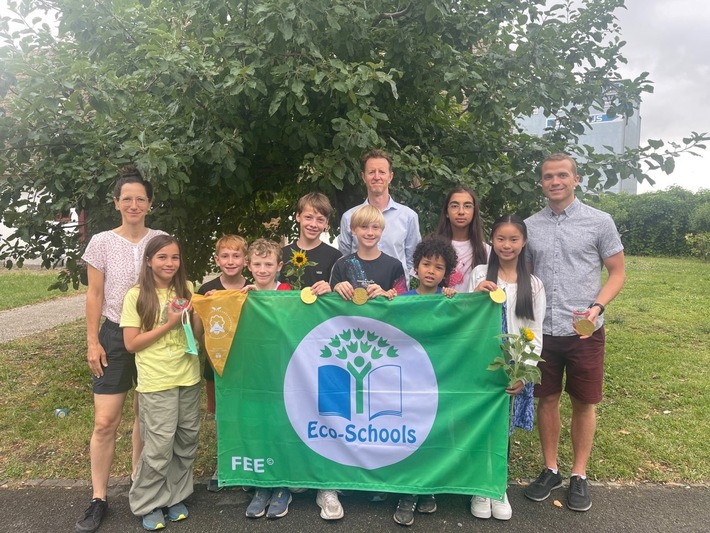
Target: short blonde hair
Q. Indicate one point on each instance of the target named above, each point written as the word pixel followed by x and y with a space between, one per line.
pixel 366 215
pixel 263 248
pixel 232 242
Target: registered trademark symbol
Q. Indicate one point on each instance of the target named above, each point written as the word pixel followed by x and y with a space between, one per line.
pixel 269 461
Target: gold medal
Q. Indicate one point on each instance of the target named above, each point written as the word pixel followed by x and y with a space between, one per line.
pixel 584 327
pixel 360 296
pixel 307 296
pixel 498 295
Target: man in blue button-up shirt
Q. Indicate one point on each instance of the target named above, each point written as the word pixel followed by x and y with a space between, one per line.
pixel 401 234
pixel 569 244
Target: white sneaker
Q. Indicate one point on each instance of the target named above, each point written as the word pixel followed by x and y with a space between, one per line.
pixel 330 508
pixel 481 507
pixel 501 509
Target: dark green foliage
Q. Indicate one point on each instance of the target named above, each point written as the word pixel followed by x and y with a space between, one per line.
pixel 700 216
pixel 235 108
pixel 656 223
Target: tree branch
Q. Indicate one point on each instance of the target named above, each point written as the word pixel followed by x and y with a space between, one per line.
pixel 392 16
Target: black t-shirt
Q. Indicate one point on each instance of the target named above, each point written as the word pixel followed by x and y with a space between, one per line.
pixel 323 255
pixel 385 271
pixel 213 284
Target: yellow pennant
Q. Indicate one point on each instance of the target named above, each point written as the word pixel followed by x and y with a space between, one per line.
pixel 220 315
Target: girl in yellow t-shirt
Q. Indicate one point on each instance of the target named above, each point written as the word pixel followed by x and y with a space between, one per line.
pixel 168 383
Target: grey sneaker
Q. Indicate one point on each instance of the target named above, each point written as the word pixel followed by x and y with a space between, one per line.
pixel 178 512
pixel 404 515
pixel 426 504
pixel 257 506
pixel 154 520
pixel 578 498
pixel 91 519
pixel 279 503
pixel 545 483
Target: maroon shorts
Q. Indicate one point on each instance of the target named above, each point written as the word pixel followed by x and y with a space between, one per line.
pixel 583 362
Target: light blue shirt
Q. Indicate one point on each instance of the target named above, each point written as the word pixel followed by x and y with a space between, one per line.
pixel 400 237
pixel 568 252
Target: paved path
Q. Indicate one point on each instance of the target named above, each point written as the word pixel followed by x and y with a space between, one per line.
pixel 631 509
pixel 29 319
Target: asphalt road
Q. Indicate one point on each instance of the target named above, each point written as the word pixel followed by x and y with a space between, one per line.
pixel 642 509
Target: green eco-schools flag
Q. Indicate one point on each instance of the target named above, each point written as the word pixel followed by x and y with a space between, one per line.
pixel 388 396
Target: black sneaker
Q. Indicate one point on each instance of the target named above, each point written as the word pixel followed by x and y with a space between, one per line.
pixel 578 498
pixel 91 519
pixel 404 515
pixel 545 483
pixel 426 503
pixel 213 483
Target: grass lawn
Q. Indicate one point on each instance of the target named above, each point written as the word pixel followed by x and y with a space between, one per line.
pixel 26 286
pixel 653 424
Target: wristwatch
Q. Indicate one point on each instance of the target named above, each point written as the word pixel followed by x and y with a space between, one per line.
pixel 600 306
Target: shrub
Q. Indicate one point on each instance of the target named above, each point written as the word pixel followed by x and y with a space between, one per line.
pixel 657 223
pixel 699 244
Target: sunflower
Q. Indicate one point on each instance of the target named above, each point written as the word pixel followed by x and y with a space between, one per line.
pixel 528 334
pixel 299 259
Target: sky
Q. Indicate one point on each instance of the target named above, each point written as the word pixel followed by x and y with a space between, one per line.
pixel 670 39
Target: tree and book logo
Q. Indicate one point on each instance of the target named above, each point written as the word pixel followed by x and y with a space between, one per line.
pixel 359 350
pixel 356 383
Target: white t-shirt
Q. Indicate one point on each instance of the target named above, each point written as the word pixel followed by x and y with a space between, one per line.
pixel 119 260
pixel 511 294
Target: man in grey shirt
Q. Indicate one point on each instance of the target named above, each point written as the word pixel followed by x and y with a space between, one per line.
pixel 569 243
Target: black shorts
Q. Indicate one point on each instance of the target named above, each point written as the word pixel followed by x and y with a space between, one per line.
pixel 208 371
pixel 120 375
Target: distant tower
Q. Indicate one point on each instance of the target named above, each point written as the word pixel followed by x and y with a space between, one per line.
pixel 619 133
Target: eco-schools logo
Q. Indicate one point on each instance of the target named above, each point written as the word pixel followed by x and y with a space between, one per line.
pixel 360 392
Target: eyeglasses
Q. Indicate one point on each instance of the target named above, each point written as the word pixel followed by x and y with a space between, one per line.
pixel 141 201
pixel 455 206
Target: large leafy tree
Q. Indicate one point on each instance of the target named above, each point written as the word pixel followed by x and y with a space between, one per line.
pixel 234 108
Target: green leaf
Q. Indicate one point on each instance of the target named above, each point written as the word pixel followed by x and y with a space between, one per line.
pixel 286 30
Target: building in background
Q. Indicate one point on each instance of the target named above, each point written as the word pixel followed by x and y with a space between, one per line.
pixel 619 133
